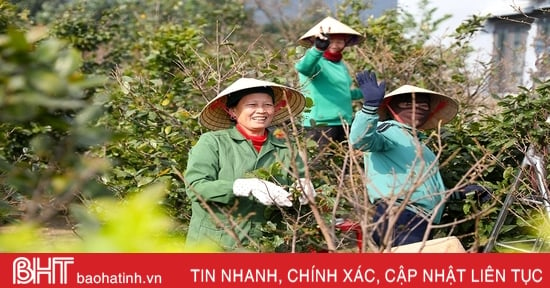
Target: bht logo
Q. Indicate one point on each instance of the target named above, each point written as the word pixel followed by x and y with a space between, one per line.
pixel 30 271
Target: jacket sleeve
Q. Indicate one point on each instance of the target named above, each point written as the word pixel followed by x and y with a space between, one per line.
pixel 201 175
pixel 308 65
pixel 364 134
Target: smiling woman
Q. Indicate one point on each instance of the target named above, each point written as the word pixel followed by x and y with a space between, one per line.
pixel 215 115
pixel 252 112
pixel 228 210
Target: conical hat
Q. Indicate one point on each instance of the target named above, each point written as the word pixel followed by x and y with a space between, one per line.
pixel 215 117
pixel 330 26
pixel 443 108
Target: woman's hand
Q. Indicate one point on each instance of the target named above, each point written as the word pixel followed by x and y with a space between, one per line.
pixel 373 93
pixel 267 193
pixel 322 41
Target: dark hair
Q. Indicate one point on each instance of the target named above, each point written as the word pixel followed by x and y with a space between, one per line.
pixel 234 98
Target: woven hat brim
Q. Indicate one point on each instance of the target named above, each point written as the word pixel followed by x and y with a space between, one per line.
pixel 440 117
pixel 214 117
pixel 331 26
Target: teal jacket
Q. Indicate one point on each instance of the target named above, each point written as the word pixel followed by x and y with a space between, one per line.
pixel 396 161
pixel 328 84
pixel 214 163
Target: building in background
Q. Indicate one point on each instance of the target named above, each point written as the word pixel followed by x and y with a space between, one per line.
pixel 515 39
pixel 521 45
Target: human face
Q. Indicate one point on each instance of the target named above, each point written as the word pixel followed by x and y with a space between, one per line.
pixel 413 114
pixel 337 43
pixel 254 113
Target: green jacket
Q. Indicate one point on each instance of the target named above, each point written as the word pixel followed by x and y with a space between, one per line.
pixel 328 84
pixel 215 162
pixel 396 161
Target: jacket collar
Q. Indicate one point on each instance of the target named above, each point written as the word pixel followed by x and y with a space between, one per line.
pixel 271 139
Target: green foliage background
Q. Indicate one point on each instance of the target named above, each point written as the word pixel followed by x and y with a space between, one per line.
pixel 98 105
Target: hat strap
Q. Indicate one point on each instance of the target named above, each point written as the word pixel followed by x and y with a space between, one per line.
pixel 395 115
pixel 440 106
pixel 281 103
pixel 221 105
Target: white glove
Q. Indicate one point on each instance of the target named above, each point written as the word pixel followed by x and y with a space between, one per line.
pixel 242 187
pixel 267 193
pixel 306 188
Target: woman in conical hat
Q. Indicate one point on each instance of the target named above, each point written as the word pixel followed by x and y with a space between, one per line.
pixel 325 78
pixel 227 209
pixel 401 169
pixel 442 108
pixel 216 114
pixel 331 27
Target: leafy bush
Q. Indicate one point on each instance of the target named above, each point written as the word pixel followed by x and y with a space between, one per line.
pixel 46 125
pixel 68 136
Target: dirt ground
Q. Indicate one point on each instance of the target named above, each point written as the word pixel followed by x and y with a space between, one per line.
pixel 59 227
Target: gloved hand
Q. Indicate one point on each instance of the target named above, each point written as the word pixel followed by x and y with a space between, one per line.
pixel 267 193
pixel 373 93
pixel 305 187
pixel 322 41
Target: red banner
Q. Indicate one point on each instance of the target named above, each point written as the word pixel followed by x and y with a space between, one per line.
pixel 274 270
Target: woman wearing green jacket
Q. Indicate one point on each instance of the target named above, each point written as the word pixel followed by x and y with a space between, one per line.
pixel 326 79
pixel 401 170
pixel 228 209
